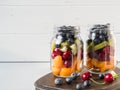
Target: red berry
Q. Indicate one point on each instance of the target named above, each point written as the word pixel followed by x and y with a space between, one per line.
pixel 67 55
pixel 109 50
pixel 67 63
pixel 54 55
pixel 57 51
pixel 108 78
pixel 86 76
pixel 106 50
pixel 101 56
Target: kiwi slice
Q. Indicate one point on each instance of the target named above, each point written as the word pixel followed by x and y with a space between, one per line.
pixel 64 48
pixel 73 48
pixel 101 45
pixel 65 43
pixel 53 45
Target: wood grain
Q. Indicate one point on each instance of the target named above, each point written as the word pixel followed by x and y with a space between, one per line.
pixel 47 83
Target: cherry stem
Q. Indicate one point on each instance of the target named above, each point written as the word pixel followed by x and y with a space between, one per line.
pixel 97 82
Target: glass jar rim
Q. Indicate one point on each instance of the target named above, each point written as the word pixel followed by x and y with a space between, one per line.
pixel 67 28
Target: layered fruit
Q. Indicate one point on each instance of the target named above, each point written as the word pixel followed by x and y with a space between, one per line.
pixel 100 49
pixel 66 53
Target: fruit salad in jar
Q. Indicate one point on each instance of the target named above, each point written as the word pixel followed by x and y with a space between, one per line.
pixel 66 51
pixel 100 49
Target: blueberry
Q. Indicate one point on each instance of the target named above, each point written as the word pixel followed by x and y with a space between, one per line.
pixel 70 35
pixel 79 86
pixel 93 36
pixel 59 37
pixel 71 41
pixel 97 35
pixel 101 37
pixel 101 76
pixel 106 37
pixel 58 41
pixel 57 45
pixel 58 81
pixel 68 80
pixel 89 41
pixel 97 41
pixel 74 76
pixel 86 83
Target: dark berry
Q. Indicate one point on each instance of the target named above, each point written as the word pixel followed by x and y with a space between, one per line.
pixel 67 55
pixel 108 78
pixel 71 41
pixel 101 76
pixel 93 36
pixel 101 37
pixel 68 80
pixel 57 51
pixel 96 41
pixel 109 50
pixel 97 35
pixel 60 37
pixel 74 76
pixel 67 63
pixel 86 83
pixel 89 41
pixel 79 86
pixel 101 56
pixel 54 55
pixel 58 41
pixel 70 35
pixel 58 81
pixel 57 45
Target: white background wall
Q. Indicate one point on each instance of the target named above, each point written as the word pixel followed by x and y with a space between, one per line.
pixel 26 28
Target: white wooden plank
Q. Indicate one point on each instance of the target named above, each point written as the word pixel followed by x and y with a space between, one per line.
pixel 24 47
pixel 21 76
pixel 42 19
pixel 59 2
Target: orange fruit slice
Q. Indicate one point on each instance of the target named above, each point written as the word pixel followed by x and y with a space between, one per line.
pixel 58 62
pixel 65 72
pixel 106 65
pixel 88 63
pixel 55 70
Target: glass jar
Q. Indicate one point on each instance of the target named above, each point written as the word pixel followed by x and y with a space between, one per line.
pixel 66 51
pixel 100 49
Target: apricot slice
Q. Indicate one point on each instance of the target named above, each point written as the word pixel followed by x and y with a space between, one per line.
pixel 55 70
pixel 58 62
pixel 88 63
pixel 106 65
pixel 95 63
pixel 65 72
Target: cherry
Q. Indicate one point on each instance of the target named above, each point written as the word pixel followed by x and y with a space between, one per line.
pixel 86 76
pixel 109 50
pixel 101 56
pixel 54 55
pixel 57 51
pixel 67 63
pixel 67 55
pixel 108 78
